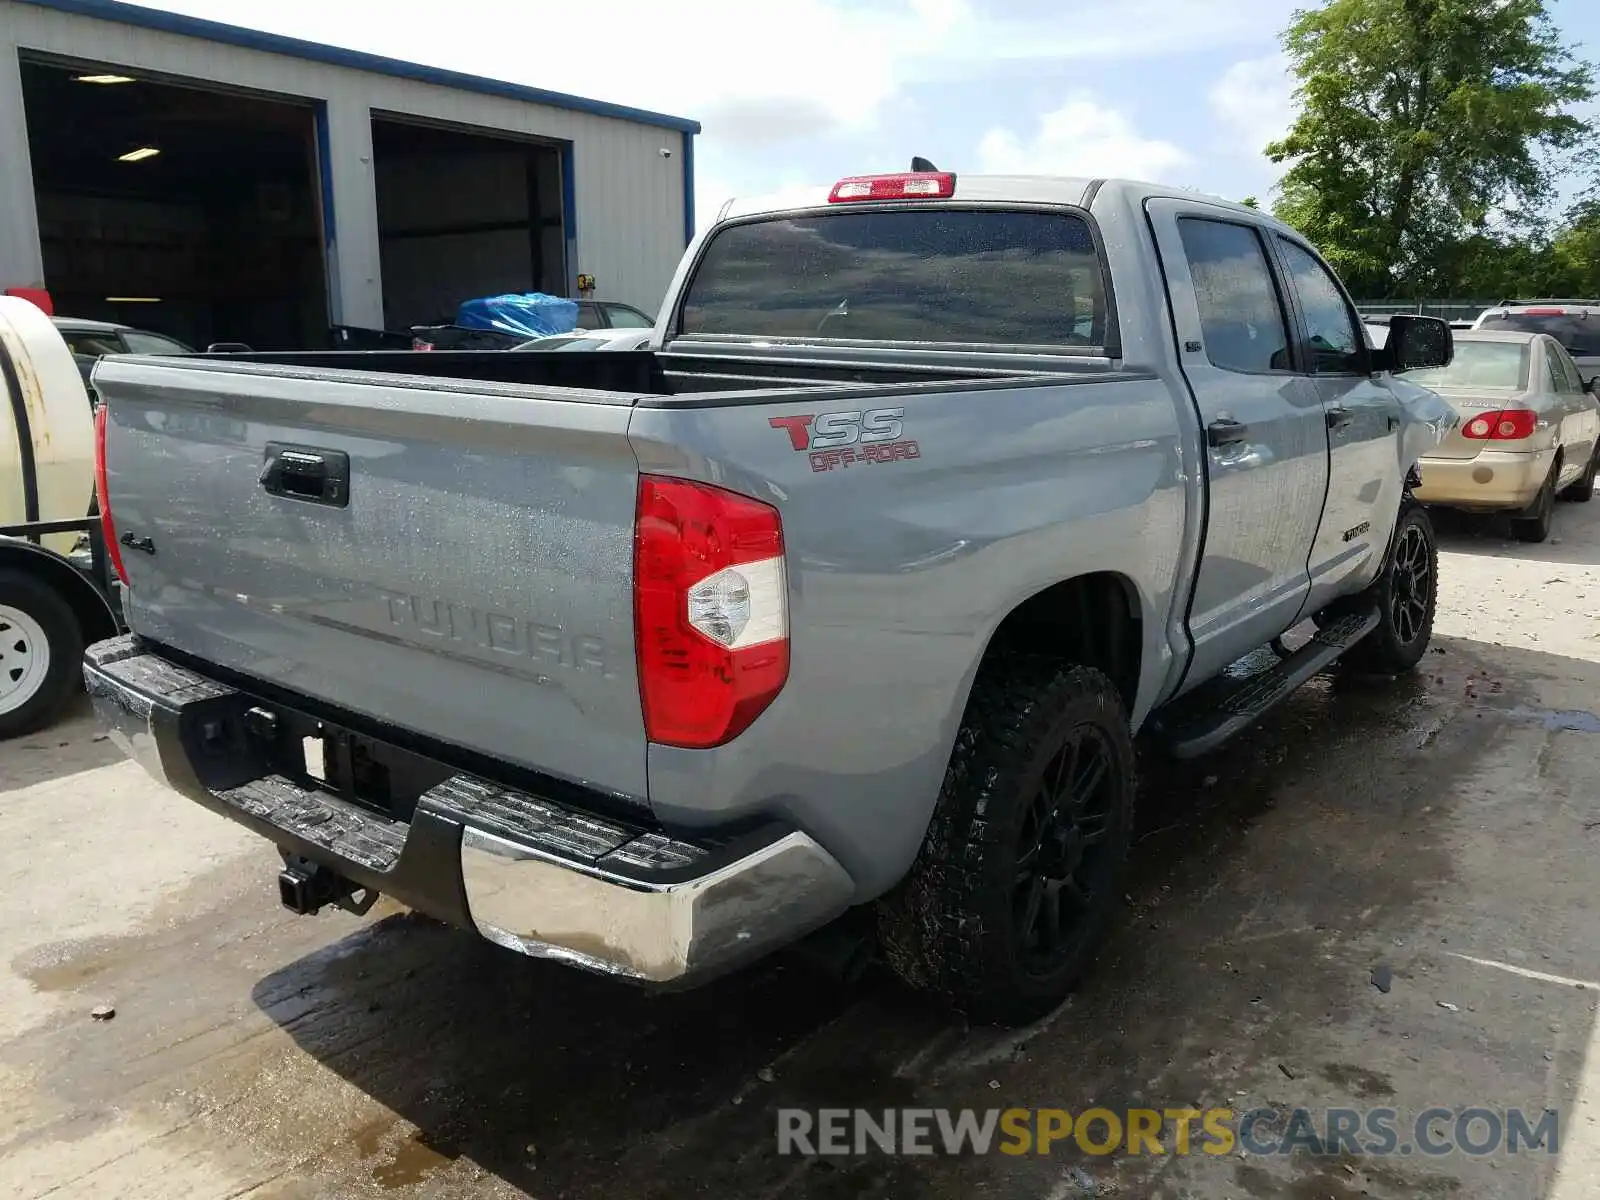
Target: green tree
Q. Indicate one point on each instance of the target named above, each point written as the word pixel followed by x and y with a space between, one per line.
pixel 1425 127
pixel 1575 252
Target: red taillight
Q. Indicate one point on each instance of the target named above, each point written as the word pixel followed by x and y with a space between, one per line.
pixel 710 611
pixel 102 495
pixel 1544 312
pixel 1511 425
pixel 911 185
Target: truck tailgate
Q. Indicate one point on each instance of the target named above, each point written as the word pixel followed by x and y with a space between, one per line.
pixel 472 582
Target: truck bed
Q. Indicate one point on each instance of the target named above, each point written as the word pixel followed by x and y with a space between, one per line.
pixel 471 576
pixel 639 375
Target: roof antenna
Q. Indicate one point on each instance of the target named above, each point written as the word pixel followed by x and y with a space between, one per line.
pixel 918 163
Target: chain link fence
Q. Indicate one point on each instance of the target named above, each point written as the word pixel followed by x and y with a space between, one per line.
pixel 1449 310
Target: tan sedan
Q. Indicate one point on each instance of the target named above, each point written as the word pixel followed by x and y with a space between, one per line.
pixel 1529 430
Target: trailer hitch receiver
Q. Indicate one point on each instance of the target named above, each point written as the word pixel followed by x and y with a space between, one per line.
pixel 306 888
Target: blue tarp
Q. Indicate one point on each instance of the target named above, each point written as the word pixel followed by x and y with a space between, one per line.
pixel 528 314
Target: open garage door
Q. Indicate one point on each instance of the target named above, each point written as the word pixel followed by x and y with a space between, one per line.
pixel 177 208
pixel 462 215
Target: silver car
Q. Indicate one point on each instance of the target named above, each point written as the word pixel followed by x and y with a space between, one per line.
pixel 1529 430
pixel 590 339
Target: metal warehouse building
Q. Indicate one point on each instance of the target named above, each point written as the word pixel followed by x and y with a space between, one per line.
pixel 221 184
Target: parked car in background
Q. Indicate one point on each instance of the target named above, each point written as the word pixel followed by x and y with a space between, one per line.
pixel 591 339
pixel 609 314
pixel 1573 323
pixel 90 340
pixel 1529 429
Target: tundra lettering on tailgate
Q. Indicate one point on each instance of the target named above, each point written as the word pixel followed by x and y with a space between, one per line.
pixel 845 439
pixel 490 636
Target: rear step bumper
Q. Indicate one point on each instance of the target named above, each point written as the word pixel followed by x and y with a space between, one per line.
pixel 538 877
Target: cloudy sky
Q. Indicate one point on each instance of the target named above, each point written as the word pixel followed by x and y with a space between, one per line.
pixel 804 91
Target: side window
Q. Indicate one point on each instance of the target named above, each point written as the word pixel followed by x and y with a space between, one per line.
pixel 627 318
pixel 152 343
pixel 93 345
pixel 1552 366
pixel 1241 314
pixel 1336 344
pixel 1569 369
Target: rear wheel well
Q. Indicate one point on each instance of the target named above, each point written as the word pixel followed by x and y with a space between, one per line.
pixel 1092 621
pixel 94 614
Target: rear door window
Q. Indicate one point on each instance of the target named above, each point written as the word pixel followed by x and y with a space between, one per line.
pixel 1568 368
pixel 1553 377
pixel 1241 314
pixel 963 276
pixel 152 343
pixel 623 317
pixel 93 345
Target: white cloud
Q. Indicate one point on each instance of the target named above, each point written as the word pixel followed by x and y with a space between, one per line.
pixel 1253 102
pixel 813 64
pixel 764 72
pixel 1082 137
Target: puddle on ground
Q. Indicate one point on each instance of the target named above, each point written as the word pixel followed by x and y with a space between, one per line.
pixel 404 1164
pixel 67 966
pixel 1557 718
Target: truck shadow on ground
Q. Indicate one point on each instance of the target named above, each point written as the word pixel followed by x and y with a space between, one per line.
pixel 1263 879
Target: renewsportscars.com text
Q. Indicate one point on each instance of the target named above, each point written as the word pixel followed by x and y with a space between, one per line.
pixel 1374 1132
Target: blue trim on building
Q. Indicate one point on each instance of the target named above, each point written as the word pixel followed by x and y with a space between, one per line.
pixel 330 227
pixel 569 216
pixel 355 60
pixel 688 188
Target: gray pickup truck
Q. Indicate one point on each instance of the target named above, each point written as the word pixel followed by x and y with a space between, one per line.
pixel 850 592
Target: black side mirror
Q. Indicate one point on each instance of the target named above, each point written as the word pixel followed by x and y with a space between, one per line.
pixel 1416 342
pixel 228 348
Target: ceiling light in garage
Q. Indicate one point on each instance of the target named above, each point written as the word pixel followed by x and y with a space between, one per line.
pixel 133 299
pixel 102 79
pixel 139 155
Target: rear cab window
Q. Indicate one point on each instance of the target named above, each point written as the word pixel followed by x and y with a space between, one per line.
pixel 984 277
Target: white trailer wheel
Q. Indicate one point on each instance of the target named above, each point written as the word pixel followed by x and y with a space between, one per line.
pixel 24 658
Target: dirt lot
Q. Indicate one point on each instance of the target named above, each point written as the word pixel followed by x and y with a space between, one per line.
pixel 1446 828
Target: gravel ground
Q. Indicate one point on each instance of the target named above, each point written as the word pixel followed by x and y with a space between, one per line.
pixel 1438 833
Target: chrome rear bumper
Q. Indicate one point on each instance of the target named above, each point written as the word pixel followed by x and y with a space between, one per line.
pixel 536 875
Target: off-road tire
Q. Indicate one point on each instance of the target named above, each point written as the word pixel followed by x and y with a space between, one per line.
pixel 52 616
pixel 1581 489
pixel 1536 527
pixel 950 926
pixel 1410 580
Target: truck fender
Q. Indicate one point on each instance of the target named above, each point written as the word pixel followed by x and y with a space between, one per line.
pixel 97 616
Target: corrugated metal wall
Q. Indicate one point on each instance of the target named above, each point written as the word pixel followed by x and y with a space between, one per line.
pixel 629 212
